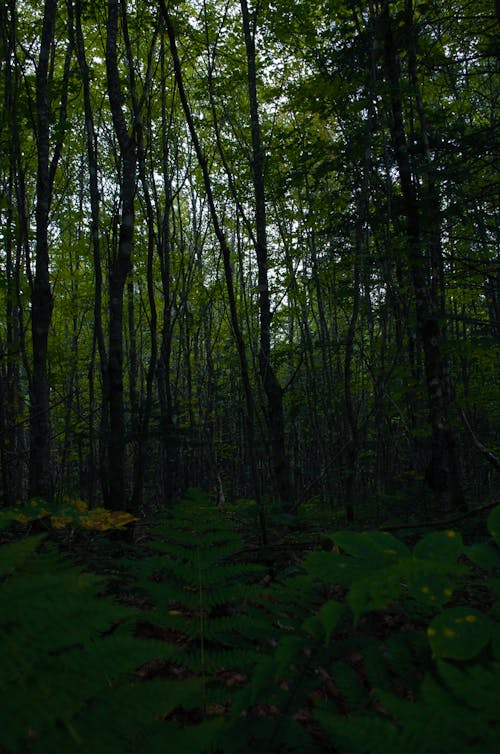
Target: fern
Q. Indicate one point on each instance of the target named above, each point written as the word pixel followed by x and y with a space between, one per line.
pixel 62 646
pixel 377 699
pixel 360 652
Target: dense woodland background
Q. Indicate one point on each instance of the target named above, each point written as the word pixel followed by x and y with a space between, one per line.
pixel 256 246
pixel 249 250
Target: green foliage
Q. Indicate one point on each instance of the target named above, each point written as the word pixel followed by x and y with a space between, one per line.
pixel 199 589
pixel 459 633
pixel 63 648
pixel 378 569
pixel 349 654
pixel 69 512
pixel 414 676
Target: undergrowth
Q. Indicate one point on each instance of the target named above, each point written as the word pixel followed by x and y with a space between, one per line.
pixel 181 644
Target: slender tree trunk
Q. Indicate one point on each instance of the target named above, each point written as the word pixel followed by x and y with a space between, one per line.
pixel 228 272
pixel 121 265
pixel 98 337
pixel 271 385
pixel 40 481
pixel 10 349
pixel 169 466
pixel 440 471
pixel 352 439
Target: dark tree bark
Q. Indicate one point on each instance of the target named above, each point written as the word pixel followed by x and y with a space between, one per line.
pixel 141 440
pixel 40 472
pixel 228 271
pixel 270 383
pixel 13 347
pixel 441 471
pixel 352 433
pixel 98 338
pixel 120 265
pixel 165 352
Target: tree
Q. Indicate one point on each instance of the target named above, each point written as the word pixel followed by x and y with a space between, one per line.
pixel 41 482
pixel 121 257
pixel 272 387
pixel 248 241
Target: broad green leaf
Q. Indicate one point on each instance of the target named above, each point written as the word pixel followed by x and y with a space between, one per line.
pixel 374 592
pixel 426 581
pixel 354 543
pixel 376 546
pixel 459 633
pixel 329 616
pixel 334 568
pixel 445 546
pixel 387 544
pixel 312 626
pixel 483 555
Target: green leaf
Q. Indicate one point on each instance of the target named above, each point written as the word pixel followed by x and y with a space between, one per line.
pixel 444 546
pixel 483 555
pixel 476 686
pixel 374 592
pixel 13 556
pixel 351 735
pixel 376 546
pixel 288 649
pixel 459 633
pixel 334 568
pixel 312 626
pixel 389 545
pixel 329 616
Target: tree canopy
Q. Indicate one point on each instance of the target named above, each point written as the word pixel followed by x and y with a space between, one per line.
pixel 254 243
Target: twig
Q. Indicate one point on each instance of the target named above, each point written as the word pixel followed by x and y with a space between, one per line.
pixel 491 457
pixel 446 522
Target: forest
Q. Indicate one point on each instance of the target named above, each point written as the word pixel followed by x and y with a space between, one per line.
pixel 249 376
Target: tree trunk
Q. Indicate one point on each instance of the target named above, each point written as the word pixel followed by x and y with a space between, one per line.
pixel 40 476
pixel 228 271
pixel 440 470
pixel 98 337
pixel 270 383
pixel 121 265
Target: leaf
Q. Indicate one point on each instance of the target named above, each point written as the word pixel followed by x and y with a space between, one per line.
pixel 459 633
pixel 334 568
pixel 483 555
pixel 475 685
pixel 101 519
pixel 374 592
pixel 351 735
pixel 376 546
pixel 444 546
pixel 288 649
pixel 329 616
pixel 13 555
